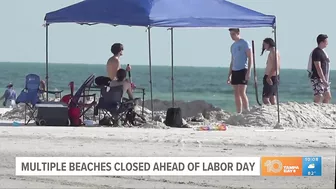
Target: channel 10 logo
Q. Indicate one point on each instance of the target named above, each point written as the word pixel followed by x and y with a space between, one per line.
pixel 281 166
pixel 273 166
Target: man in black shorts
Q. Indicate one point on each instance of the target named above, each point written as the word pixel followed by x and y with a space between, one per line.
pixel 272 71
pixel 320 71
pixel 269 90
pixel 240 69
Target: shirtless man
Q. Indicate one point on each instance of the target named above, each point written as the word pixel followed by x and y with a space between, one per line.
pixel 271 78
pixel 240 69
pixel 113 63
pixel 320 71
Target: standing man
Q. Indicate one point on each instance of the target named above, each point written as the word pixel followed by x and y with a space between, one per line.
pixel 240 69
pixel 320 71
pixel 271 77
pixel 113 63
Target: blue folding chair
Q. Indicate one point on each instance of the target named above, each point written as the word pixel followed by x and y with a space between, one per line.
pixel 30 96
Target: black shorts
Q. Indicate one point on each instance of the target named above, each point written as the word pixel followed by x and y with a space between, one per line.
pixel 269 90
pixel 238 77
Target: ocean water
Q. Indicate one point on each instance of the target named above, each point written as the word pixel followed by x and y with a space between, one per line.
pixel 191 83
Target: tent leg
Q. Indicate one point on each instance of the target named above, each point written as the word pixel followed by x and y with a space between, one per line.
pixel 47 61
pixel 276 73
pixel 172 64
pixel 150 70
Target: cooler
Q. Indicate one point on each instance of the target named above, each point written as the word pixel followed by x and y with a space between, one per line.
pixel 52 114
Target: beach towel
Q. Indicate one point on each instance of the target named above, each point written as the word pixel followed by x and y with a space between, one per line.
pixel 310 65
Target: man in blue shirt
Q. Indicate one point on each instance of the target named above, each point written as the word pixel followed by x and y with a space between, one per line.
pixel 9 96
pixel 240 69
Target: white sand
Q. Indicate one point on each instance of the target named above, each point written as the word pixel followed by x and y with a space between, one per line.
pixel 303 136
pixel 237 141
pixel 4 110
pixel 292 115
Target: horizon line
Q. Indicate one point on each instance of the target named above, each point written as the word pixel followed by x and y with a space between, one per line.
pixel 2 62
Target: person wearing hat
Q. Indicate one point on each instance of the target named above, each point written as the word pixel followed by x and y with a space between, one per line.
pixel 9 96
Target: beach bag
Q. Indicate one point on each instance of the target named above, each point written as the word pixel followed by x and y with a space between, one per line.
pixel 74 116
pixel 310 65
pixel 174 117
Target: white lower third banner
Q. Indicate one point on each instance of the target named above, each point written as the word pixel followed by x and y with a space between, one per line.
pixel 137 166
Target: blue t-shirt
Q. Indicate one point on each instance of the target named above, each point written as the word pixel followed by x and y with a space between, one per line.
pixel 238 52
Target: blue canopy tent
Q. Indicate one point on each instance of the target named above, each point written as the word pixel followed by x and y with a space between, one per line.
pixel 160 13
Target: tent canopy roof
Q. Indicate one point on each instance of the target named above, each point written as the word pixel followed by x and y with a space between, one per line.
pixel 161 13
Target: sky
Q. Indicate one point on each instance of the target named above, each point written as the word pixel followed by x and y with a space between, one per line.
pixel 22 36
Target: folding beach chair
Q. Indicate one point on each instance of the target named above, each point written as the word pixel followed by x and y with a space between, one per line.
pixel 115 108
pixel 30 96
pixel 77 105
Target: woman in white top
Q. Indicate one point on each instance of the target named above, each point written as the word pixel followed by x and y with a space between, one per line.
pixel 121 80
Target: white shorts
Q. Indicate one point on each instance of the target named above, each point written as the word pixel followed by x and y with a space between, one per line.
pixel 10 104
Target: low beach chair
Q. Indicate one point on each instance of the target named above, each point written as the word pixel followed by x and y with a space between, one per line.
pixel 77 103
pixel 115 108
pixel 30 96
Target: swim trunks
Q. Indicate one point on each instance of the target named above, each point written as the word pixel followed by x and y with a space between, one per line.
pixel 269 90
pixel 238 77
pixel 318 87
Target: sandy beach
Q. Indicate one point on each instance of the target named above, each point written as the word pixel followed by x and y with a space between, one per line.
pixel 309 130
pixel 99 141
pixel 196 76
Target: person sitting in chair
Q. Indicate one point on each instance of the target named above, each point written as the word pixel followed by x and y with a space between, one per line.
pixel 121 80
pixel 116 109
